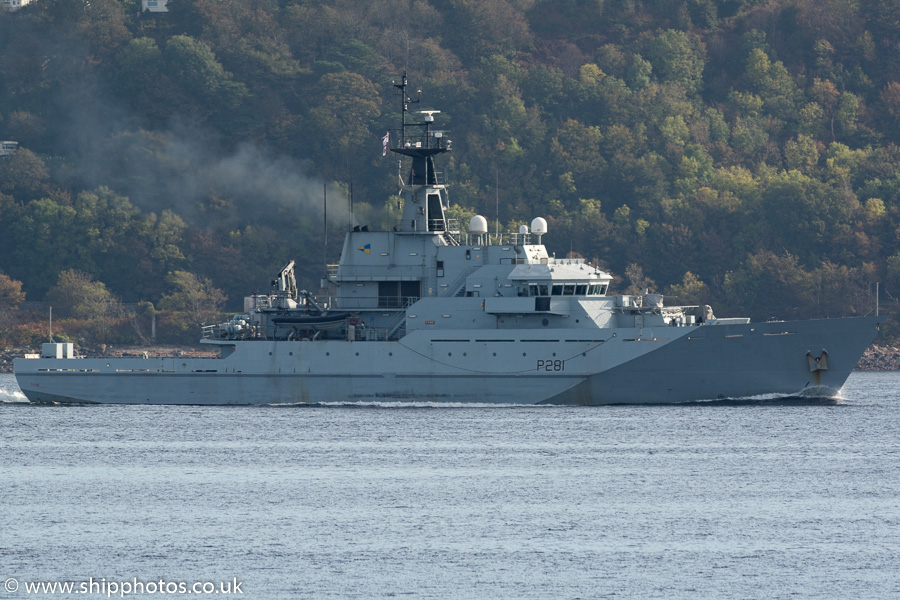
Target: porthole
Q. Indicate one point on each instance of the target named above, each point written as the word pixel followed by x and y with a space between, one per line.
pixel 449 354
pixel 554 354
pixel 390 353
pixel 495 354
pixel 524 354
pixel 326 354
pixel 270 354
pixel 357 353
pixel 290 353
pixel 545 322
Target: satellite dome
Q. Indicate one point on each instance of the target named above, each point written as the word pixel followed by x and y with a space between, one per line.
pixel 478 225
pixel 523 229
pixel 539 226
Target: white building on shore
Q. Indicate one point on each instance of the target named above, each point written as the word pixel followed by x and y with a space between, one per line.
pixel 154 6
pixel 8 148
pixel 13 5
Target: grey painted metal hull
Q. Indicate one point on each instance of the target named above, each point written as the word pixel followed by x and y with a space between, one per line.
pixel 761 360
pixel 605 366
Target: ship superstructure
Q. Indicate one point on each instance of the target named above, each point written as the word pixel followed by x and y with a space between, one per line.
pixel 425 312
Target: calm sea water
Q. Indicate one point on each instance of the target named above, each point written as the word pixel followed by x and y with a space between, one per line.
pixel 741 500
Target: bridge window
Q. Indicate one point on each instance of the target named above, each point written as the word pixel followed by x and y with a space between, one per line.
pixel 535 290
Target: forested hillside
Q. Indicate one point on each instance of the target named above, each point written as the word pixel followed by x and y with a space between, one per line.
pixel 742 153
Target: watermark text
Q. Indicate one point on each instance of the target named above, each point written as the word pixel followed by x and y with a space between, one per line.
pixel 122 588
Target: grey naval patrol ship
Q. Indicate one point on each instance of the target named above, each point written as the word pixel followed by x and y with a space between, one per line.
pixel 427 313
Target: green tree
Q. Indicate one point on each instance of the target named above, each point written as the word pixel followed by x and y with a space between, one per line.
pixel 774 84
pixel 76 295
pixel 544 86
pixel 637 280
pixel 49 225
pixel 11 295
pixel 194 296
pixel 678 57
pixel 690 292
pixel 156 250
pixel 806 217
pixel 24 175
pixel 484 27
pixel 801 153
pixel 826 95
pixel 847 114
pixel 576 148
pixel 193 66
pixel 346 103
pixel 770 286
pixel 638 75
pixel 102 26
pixel 811 119
pixel 883 17
pixel 250 39
pixel 140 79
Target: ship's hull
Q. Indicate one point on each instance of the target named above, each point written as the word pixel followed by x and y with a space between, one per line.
pixel 621 366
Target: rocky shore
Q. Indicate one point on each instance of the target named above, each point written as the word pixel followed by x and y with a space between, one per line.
pixel 880 358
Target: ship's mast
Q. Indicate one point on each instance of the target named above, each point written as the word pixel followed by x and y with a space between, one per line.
pixel 424 209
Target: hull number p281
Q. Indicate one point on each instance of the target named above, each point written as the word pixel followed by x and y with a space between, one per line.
pixel 551 365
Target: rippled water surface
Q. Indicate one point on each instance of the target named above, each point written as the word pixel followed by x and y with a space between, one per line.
pixel 773 499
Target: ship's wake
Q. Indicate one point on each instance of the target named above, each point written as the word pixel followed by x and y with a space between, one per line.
pixel 803 398
pixel 402 404
pixel 11 395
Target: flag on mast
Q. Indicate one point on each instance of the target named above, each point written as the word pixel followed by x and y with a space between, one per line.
pixel 384 143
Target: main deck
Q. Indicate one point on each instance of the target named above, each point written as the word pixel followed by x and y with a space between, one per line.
pixel 676 364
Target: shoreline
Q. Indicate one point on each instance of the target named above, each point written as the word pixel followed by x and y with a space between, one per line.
pixel 876 357
pixel 879 358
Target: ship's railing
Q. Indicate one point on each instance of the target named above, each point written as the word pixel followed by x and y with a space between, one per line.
pixel 449 228
pixel 433 140
pixel 370 334
pixel 371 302
pixel 396 301
pixel 568 261
pixel 399 323
pixel 439 179
pixel 231 330
pixel 459 284
pixel 502 239
pixel 382 272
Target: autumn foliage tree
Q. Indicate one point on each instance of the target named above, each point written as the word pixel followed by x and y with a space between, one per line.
pixel 715 144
